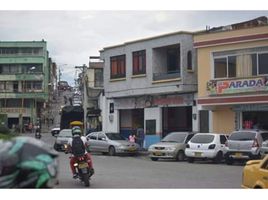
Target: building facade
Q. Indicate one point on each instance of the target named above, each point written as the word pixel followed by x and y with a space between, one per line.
pixel 232 76
pixel 24 78
pixel 150 85
pixel 94 83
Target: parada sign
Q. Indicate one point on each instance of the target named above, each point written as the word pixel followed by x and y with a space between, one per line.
pixel 216 87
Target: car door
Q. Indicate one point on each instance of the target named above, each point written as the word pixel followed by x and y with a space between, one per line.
pixel 102 143
pixel 92 140
pixel 223 140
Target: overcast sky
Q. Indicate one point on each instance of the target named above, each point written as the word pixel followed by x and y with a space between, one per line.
pixel 73 36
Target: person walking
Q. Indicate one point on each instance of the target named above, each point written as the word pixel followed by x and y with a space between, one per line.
pixel 132 138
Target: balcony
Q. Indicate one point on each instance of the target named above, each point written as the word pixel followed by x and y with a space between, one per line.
pixel 166 75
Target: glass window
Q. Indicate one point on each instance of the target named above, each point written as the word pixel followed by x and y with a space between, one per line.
pixel 115 136
pixel 173 60
pixel 204 139
pixel 65 133
pixel 139 62
pixel 263 63
pixel 264 136
pixel 118 66
pixel 189 60
pixel 232 66
pixel 242 136
pixel 220 67
pixel 175 137
pixel 93 136
pixel 101 136
pixel 222 139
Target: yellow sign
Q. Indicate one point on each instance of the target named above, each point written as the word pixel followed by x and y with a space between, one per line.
pixel 12 110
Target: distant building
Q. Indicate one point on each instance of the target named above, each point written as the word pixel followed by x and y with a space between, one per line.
pixel 150 84
pixel 24 80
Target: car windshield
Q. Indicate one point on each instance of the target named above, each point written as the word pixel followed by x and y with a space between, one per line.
pixel 204 139
pixel 242 136
pixel 65 133
pixel 115 136
pixel 175 137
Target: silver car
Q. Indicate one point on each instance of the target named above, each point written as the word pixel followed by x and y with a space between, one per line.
pixel 171 147
pixel 62 139
pixel 264 148
pixel 245 144
pixel 111 143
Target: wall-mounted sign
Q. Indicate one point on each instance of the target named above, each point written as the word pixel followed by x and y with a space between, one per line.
pixel 12 110
pixel 216 87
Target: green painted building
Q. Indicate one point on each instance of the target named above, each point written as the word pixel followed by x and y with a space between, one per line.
pixel 24 81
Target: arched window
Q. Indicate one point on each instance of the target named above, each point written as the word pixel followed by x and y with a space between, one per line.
pixel 189 60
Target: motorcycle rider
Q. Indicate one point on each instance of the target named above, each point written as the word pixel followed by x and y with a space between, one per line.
pixel 78 144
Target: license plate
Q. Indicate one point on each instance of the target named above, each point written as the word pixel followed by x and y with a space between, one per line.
pixel 82 165
pixel 131 149
pixel 238 154
pixel 197 154
pixel 157 153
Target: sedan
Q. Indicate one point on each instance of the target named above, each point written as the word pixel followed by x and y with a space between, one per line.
pixel 55 131
pixel 206 146
pixel 171 147
pixel 264 148
pixel 62 139
pixel 111 143
pixel 255 174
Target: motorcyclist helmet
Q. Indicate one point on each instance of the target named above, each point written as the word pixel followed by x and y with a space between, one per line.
pixel 76 132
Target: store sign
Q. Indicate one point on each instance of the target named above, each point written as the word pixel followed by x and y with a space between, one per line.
pixel 12 110
pixel 216 87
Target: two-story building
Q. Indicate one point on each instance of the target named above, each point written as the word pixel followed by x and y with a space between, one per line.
pixel 23 80
pixel 233 76
pixel 150 84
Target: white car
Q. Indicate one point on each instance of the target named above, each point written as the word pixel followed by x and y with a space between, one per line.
pixel 206 146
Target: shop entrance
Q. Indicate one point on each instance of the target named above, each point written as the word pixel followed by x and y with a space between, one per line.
pixel 255 119
pixel 13 122
pixel 177 119
pixel 130 121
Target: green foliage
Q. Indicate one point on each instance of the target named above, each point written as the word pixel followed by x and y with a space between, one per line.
pixel 4 130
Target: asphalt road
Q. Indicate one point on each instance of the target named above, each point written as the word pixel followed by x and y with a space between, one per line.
pixel 140 172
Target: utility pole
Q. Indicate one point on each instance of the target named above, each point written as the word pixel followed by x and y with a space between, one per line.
pixel 83 69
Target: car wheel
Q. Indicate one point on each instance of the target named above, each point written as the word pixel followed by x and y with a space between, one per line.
pixel 218 157
pixel 190 159
pixel 154 159
pixel 180 156
pixel 56 147
pixel 229 161
pixel 111 151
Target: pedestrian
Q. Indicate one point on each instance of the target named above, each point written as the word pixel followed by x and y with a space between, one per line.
pixel 132 138
pixel 140 137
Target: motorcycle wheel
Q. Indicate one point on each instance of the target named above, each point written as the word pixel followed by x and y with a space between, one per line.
pixel 85 179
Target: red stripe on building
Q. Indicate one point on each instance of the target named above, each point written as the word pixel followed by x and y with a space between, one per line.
pixel 251 99
pixel 231 40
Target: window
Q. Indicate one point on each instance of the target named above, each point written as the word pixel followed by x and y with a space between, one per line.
pixel 33 85
pixel 202 139
pixel 93 136
pixel 241 65
pixel 150 127
pixel 98 78
pixel 118 66
pixel 9 69
pixel 173 60
pixel 222 139
pixel 101 136
pixel 139 62
pixel 189 60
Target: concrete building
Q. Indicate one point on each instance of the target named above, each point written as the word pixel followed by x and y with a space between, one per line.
pixel 94 83
pixel 232 76
pixel 150 84
pixel 24 80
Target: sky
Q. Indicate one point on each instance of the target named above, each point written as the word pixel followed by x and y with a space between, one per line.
pixel 74 35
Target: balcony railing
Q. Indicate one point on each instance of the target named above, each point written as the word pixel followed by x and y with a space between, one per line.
pixel 166 75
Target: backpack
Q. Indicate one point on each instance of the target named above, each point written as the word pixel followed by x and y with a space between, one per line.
pixel 78 147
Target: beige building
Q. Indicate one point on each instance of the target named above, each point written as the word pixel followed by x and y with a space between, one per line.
pixel 233 76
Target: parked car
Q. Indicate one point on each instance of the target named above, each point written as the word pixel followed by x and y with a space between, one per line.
pixel 255 174
pixel 206 146
pixel 172 146
pixel 55 131
pixel 111 143
pixel 62 139
pixel 245 144
pixel 264 148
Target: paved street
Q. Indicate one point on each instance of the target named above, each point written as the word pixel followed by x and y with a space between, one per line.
pixel 141 172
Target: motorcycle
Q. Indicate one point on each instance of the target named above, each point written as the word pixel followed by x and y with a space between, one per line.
pixel 38 135
pixel 32 164
pixel 82 169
